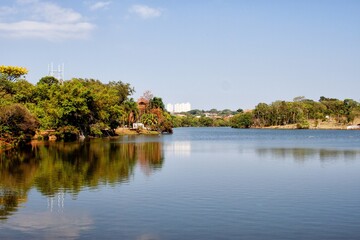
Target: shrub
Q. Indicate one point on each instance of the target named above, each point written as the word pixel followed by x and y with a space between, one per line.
pixel 17 122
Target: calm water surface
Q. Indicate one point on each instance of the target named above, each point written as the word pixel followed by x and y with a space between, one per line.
pixel 199 183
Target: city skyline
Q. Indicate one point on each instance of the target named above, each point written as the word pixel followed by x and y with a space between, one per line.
pixel 178 107
pixel 214 54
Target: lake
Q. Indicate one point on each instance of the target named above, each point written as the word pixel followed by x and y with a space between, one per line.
pixel 198 183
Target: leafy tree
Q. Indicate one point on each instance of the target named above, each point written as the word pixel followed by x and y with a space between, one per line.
pixel 48 80
pixel 262 114
pixel 156 102
pixel 23 91
pixel 6 86
pixel 206 121
pixel 149 120
pixel 12 72
pixel 123 90
pixel 242 120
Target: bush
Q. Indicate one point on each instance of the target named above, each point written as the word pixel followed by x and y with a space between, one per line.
pixel 303 125
pixel 17 122
pixel 242 120
pixel 68 133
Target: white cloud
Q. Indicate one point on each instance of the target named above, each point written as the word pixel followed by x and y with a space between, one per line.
pixel 99 5
pixel 45 20
pixel 145 12
pixel 50 12
pixel 46 30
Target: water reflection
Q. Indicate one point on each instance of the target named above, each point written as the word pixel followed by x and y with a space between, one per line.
pixel 54 168
pixel 63 226
pixel 179 148
pixel 304 154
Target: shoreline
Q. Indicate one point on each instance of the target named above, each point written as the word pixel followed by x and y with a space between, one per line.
pixel 4 146
pixel 313 125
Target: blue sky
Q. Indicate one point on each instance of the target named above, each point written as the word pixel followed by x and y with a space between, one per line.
pixel 213 54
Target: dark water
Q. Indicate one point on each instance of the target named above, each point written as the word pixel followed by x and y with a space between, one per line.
pixel 199 183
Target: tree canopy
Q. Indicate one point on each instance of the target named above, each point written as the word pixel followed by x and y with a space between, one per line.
pixel 73 107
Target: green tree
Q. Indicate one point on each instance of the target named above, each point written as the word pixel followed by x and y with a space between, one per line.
pixel 156 102
pixel 48 80
pixel 242 120
pixel 123 90
pixel 206 121
pixel 24 92
pixel 149 120
pixel 262 115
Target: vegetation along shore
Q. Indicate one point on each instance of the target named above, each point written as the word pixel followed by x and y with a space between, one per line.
pixel 76 108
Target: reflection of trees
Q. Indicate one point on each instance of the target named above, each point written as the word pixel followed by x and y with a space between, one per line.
pixel 303 154
pixel 73 166
pixel 8 203
pixel 150 156
pixel 54 167
pixel 17 173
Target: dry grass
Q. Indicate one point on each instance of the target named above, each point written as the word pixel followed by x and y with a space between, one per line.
pixel 127 131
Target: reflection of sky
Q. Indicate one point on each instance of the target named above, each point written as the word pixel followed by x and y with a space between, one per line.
pixel 51 225
pixel 179 148
pixel 36 219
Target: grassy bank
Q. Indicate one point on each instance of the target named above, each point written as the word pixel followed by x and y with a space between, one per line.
pixel 127 131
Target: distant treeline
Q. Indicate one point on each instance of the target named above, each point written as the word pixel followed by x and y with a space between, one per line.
pixel 203 118
pixel 299 111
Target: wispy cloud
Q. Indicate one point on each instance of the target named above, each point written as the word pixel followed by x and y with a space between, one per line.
pixel 44 20
pixel 145 12
pixel 99 5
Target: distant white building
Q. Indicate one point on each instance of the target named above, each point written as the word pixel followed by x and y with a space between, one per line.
pixel 178 107
pixel 170 107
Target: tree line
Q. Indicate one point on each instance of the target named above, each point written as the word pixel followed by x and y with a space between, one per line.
pixel 299 111
pixel 72 107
